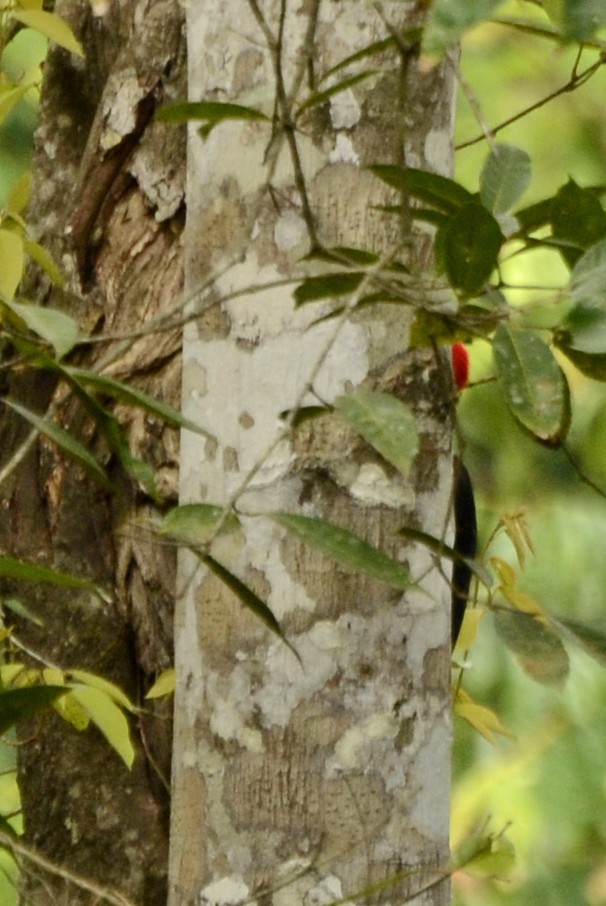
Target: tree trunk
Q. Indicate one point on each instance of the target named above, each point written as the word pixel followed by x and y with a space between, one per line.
pixel 311 780
pixel 108 202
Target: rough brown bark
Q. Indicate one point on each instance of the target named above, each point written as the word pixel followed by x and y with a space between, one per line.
pixel 113 220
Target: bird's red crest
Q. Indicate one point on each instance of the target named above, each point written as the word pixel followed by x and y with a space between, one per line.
pixel 460 365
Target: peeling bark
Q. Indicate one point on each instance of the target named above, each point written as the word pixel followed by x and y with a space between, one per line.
pixel 311 781
pixel 108 202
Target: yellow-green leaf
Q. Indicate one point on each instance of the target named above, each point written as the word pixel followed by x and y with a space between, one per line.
pixel 481 719
pixel 11 263
pixel 109 719
pixel 39 254
pixel 19 193
pixel 196 523
pixel 98 682
pixel 72 712
pixel 51 26
pixel 50 324
pixel 164 685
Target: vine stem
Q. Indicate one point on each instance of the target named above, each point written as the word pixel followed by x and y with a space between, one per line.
pixel 102 894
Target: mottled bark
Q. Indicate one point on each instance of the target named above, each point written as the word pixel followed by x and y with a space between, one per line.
pixel 308 782
pixel 108 202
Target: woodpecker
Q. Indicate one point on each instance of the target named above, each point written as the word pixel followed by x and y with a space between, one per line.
pixel 464 508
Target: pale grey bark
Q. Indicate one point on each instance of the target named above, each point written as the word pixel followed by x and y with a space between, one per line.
pixel 307 782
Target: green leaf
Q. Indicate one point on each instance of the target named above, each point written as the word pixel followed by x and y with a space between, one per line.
pixel 23 571
pixel 247 596
pixel 64 440
pixel 20 704
pixel 441 549
pixel 164 685
pixel 578 218
pixel 370 50
pixel 128 394
pixel 346 548
pixel 386 423
pixel 577 20
pixel 533 383
pixel 212 112
pixel 591 637
pixel 9 96
pixel 505 177
pixel 18 607
pixel 11 263
pixel 327 286
pixel 98 682
pixel 304 414
pixel 536 646
pixel 320 97
pixel 588 276
pixel 448 20
pixel 584 328
pixel 108 718
pixel 50 324
pixel 443 193
pixel 196 523
pixel 39 254
pixel 592 365
pixel 469 246
pixel 51 26
pixel 345 255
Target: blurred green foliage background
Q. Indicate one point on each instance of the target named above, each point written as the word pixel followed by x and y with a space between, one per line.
pixel 547 787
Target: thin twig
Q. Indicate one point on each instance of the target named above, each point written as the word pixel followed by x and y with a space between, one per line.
pixel 576 80
pixel 104 894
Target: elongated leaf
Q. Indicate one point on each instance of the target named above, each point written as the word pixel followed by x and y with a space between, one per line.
pixel 40 255
pixel 481 719
pixel 164 685
pixel 443 193
pixel 211 112
pixel 99 682
pixel 593 365
pixel 9 96
pixel 247 596
pixel 469 246
pixel 370 50
pixel 20 704
pixel 591 637
pixel 327 286
pixel 578 218
pixel 51 26
pixel 52 325
pixel 533 383
pixel 584 328
pixel 536 646
pixel 128 394
pixel 386 423
pixel 11 259
pixel 320 97
pixel 346 548
pixel 196 523
pixel 588 276
pixel 447 21
pixel 505 177
pixel 18 607
pixel 24 571
pixel 64 440
pixel 577 20
pixel 342 254
pixel 441 549
pixel 108 718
